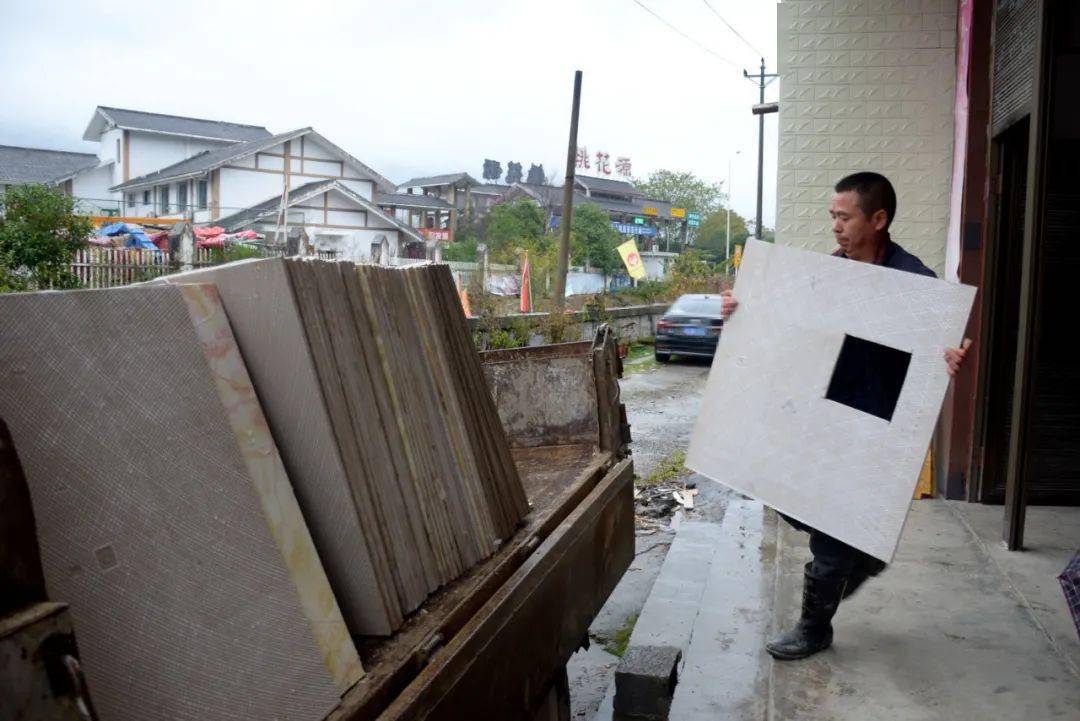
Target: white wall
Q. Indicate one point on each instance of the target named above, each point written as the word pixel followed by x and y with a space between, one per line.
pixel 656 264
pixel 242 188
pixel 107 153
pixel 363 188
pixel 866 85
pixel 150 152
pixel 92 189
pixel 353 245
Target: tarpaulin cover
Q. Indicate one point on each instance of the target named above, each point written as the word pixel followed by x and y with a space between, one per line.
pixel 207 238
pixel 137 238
pixel 161 240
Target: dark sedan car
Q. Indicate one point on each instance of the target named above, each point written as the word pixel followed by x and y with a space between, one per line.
pixel 690 327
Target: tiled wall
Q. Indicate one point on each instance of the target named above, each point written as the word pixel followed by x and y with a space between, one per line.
pixel 866 85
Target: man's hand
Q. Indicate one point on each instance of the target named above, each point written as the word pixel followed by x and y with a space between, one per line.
pixel 728 305
pixel 954 357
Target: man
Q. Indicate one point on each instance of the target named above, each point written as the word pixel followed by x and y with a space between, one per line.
pixel 862 209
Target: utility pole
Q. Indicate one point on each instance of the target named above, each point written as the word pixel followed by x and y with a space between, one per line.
pixel 567 201
pixel 761 109
pixel 727 234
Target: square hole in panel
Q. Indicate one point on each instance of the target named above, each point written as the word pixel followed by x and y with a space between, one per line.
pixel 868 376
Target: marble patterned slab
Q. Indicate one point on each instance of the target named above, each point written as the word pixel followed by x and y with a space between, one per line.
pixel 272 484
pixel 262 310
pixel 766 428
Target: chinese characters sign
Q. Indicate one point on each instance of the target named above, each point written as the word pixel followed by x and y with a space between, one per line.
pixel 603 162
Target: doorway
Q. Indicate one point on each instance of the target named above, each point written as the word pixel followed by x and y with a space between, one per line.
pixel 1001 289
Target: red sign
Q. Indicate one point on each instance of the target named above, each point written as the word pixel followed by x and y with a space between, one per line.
pixel 435 233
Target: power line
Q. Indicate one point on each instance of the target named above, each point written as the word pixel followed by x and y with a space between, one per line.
pixel 732 29
pixel 680 32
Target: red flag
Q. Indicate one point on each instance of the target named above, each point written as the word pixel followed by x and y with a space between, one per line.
pixel 526 287
pixel 463 293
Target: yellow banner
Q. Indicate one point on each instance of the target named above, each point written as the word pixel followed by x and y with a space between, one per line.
pixel 632 259
pixel 737 260
pixel 650 210
pixel 678 212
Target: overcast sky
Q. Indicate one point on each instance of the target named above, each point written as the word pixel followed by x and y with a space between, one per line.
pixel 410 88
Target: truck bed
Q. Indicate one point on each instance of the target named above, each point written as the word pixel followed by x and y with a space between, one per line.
pixel 491 644
pixel 557 479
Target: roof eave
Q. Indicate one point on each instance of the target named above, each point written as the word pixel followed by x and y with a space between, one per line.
pixel 184 135
pixel 80 171
pixel 100 117
pixel 283 137
pixel 140 183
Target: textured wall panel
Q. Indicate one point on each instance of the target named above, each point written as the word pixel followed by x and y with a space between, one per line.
pixel 841 470
pixel 866 85
pixel 150 524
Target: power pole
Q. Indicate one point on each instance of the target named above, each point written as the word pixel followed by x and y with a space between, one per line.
pixel 761 109
pixel 567 201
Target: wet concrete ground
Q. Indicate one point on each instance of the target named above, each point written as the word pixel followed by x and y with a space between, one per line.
pixel 662 403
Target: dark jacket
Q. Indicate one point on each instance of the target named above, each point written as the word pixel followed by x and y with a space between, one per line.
pixel 899 259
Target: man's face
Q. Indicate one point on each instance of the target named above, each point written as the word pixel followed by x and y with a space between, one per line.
pixel 855 233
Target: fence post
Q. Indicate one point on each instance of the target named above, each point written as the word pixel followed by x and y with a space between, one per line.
pixel 187 248
pixel 484 256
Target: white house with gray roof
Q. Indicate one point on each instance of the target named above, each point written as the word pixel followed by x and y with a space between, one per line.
pixel 78 174
pixel 151 165
pixel 241 184
pixel 137 143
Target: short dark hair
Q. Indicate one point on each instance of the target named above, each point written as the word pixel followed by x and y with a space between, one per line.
pixel 875 193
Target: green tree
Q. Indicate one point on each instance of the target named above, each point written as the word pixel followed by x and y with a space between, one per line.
pixel 711 237
pixel 593 240
pixel 509 226
pixel 463 250
pixel 683 190
pixel 691 264
pixel 39 234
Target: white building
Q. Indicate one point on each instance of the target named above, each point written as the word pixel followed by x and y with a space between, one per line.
pixel 150 165
pixel 78 174
pixel 136 143
pixel 240 185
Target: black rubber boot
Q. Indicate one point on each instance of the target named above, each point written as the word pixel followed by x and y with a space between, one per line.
pixel 813 632
pixel 867 567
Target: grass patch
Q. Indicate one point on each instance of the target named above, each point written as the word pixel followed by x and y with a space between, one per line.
pixel 616 645
pixel 639 358
pixel 638 351
pixel 667 470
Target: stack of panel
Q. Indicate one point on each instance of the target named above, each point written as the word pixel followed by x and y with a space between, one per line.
pixel 164 513
pixel 375 395
pixel 418 436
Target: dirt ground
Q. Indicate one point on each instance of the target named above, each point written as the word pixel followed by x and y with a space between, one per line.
pixel 662 402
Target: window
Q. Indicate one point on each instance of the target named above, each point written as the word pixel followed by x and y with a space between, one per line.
pixel 202 193
pixel 146 197
pixel 163 199
pixel 688 305
pixel 118 150
pixel 131 200
pixel 181 197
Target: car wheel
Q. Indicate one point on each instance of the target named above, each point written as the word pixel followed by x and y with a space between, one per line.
pixel 662 357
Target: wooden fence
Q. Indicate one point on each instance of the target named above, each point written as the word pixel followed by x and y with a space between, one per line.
pixel 112 267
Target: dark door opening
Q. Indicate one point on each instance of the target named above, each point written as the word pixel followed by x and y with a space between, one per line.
pixel 1003 317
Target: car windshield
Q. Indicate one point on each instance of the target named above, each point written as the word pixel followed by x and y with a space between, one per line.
pixel 697 306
